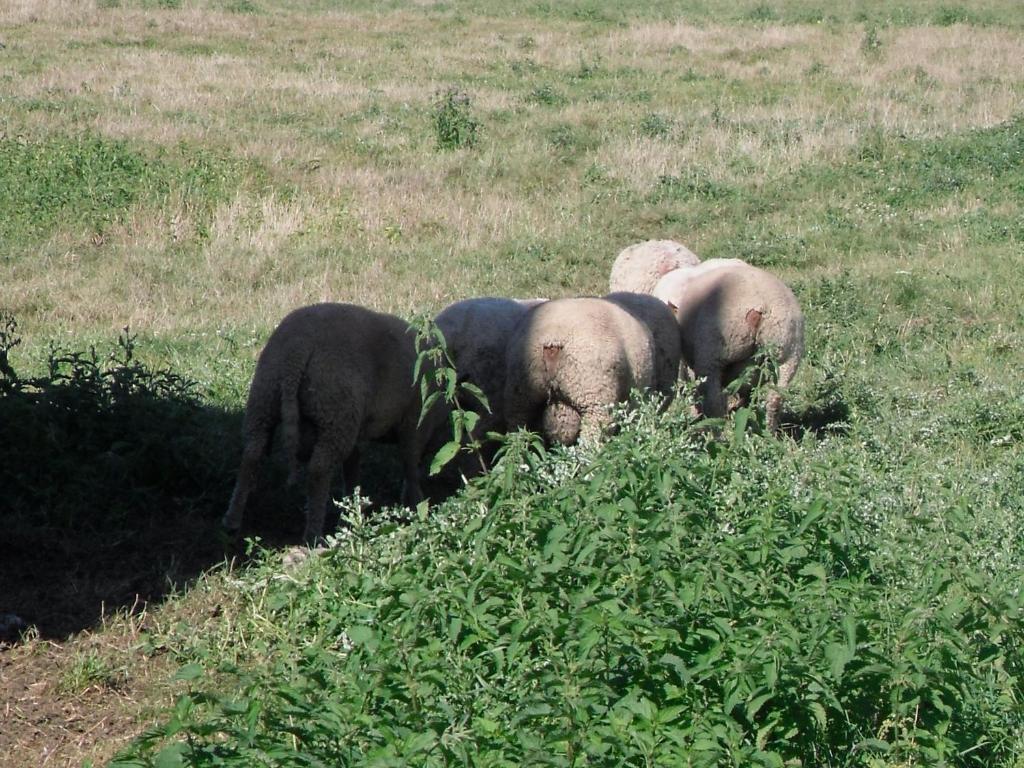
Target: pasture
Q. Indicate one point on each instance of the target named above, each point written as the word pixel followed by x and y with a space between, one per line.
pixel 177 175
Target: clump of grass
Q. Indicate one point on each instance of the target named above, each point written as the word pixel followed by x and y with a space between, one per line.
pixel 454 123
pixel 655 125
pixel 691 183
pixel 871 43
pixel 948 15
pixel 545 95
pixel 762 12
pixel 89 669
pixel 241 6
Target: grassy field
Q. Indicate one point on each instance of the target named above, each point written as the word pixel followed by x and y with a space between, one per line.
pixel 191 170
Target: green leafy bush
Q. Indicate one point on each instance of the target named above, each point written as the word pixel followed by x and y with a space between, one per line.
pixel 730 603
pixel 96 439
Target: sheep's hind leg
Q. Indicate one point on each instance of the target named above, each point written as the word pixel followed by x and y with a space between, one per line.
pixel 773 406
pixel 712 397
pixel 252 456
pixel 350 470
pixel 318 490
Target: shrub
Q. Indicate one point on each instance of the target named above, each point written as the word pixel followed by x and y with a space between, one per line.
pixel 97 430
pixel 730 603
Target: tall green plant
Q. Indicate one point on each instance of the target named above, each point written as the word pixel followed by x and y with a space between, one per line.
pixel 444 397
pixel 454 123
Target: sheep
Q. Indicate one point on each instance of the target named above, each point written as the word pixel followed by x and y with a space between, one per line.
pixel 331 375
pixel 569 360
pixel 476 333
pixel 639 267
pixel 728 312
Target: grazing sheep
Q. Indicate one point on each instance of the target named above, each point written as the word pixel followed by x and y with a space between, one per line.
pixel 569 360
pixel 331 375
pixel 476 333
pixel 664 332
pixel 639 267
pixel 728 312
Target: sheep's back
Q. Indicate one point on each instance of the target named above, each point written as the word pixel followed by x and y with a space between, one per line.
pixel 358 362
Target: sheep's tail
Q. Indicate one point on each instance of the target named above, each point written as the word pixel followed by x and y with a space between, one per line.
pixel 291 379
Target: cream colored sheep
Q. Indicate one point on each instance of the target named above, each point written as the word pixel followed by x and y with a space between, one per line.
pixel 728 312
pixel 331 375
pixel 639 267
pixel 581 356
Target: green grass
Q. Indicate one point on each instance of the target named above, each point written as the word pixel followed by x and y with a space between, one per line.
pixel 88 183
pixel 846 596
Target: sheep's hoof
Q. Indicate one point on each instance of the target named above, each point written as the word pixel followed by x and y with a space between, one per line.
pixel 230 527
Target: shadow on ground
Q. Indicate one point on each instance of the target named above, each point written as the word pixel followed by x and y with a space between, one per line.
pixel 819 419
pixel 113 478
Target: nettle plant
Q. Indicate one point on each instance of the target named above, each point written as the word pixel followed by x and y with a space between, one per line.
pixel 730 603
pixel 454 123
pixel 443 395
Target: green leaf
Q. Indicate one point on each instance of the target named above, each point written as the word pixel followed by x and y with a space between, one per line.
pixel 740 419
pixel 171 756
pixel 838 656
pixel 820 715
pixel 755 704
pixel 817 570
pixel 432 398
pixel 873 744
pixel 814 513
pixel 189 672
pixel 360 634
pixel 443 456
pixel 476 392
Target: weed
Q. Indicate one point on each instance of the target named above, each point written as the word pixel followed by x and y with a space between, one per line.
pixel 655 125
pixel 462 403
pixel 722 603
pixel 692 183
pixel 241 6
pixel 947 15
pixel 545 95
pixel 91 423
pixel 454 123
pixel 871 43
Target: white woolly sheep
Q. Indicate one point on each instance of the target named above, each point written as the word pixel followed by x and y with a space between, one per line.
pixel 639 267
pixel 331 375
pixel 569 360
pixel 729 312
pixel 476 333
